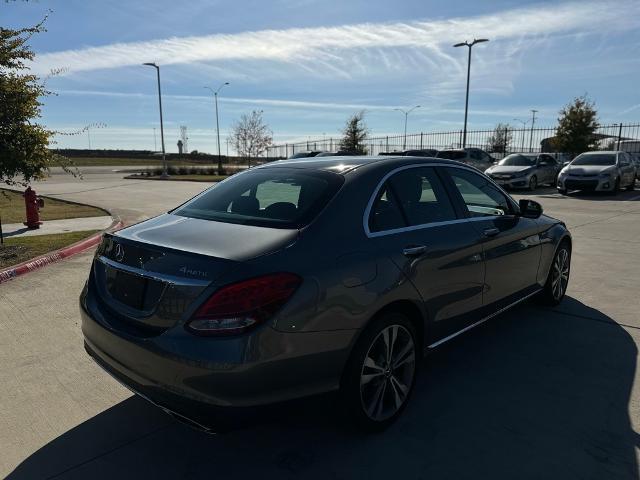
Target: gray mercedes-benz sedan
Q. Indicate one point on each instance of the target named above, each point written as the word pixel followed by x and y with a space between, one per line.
pixel 311 275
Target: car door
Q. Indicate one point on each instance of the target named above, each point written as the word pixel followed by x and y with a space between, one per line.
pixel 547 167
pixel 413 219
pixel 511 243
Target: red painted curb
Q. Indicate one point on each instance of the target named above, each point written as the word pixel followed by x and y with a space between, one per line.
pixel 55 256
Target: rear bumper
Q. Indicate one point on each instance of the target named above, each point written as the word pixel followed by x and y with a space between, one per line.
pixel 205 379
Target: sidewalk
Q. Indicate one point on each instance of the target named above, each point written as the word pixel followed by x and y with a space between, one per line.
pixel 16 230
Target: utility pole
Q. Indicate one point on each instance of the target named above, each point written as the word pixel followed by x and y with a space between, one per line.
pixel 466 102
pixel 533 122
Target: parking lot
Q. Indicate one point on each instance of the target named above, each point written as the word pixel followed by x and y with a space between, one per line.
pixel 535 393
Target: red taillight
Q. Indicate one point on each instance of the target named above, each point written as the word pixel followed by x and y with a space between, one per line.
pixel 237 307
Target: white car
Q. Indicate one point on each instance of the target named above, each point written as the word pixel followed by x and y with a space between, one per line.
pixel 524 170
pixel 607 171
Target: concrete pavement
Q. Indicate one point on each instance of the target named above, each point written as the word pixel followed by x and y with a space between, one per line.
pixel 50 227
pixel 535 393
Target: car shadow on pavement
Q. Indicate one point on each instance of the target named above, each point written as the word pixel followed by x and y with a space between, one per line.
pixel 535 393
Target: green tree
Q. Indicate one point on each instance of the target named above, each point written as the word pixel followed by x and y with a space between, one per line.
pixel 354 134
pixel 24 143
pixel 577 125
pixel 500 139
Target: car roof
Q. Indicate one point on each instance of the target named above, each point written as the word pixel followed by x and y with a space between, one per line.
pixel 344 164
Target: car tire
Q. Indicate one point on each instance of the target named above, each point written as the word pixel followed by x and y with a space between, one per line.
pixel 533 183
pixel 631 186
pixel 562 191
pixel 557 282
pixel 378 381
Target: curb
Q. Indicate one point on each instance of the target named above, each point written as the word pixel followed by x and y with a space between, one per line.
pixel 57 255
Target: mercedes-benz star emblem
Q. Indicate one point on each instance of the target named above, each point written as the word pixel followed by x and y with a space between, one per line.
pixel 119 252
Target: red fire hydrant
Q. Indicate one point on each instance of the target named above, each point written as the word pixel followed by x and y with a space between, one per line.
pixel 33 204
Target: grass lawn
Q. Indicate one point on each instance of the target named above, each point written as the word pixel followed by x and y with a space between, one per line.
pixel 17 250
pixel 12 209
pixel 117 162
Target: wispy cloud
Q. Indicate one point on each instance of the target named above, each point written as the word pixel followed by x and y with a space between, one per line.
pixel 329 48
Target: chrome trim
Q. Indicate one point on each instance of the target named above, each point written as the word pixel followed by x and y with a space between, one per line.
pixel 162 277
pixel 479 322
pixel 367 211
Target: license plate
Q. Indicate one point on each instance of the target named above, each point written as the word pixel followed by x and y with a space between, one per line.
pixel 128 289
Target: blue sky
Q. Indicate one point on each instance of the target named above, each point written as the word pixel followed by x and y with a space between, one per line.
pixel 309 64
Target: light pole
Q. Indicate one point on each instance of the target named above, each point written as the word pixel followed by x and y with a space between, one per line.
pixel 533 122
pixel 215 96
pixel 466 103
pixel 406 114
pixel 164 158
pixel 524 126
pixel 90 126
pixel 155 143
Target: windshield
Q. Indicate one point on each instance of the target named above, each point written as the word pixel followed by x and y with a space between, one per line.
pixel 269 197
pixel 599 159
pixel 517 161
pixel 452 154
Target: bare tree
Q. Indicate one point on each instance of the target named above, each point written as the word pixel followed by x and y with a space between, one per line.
pixel 500 139
pixel 251 136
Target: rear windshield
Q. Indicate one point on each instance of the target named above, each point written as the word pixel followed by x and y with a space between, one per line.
pixel 268 197
pixel 517 161
pixel 599 159
pixel 452 154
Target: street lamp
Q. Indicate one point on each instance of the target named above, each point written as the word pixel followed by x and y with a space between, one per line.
pixel 406 114
pixel 466 103
pixel 164 158
pixel 215 96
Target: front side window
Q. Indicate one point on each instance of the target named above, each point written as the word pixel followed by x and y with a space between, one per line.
pixel 480 196
pixel 269 197
pixel 411 197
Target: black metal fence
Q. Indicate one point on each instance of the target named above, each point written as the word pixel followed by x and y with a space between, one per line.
pixel 615 136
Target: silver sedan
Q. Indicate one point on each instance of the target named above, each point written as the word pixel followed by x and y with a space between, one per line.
pixel 524 170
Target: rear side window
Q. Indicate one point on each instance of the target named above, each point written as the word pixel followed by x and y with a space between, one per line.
pixel 452 154
pixel 269 197
pixel 411 197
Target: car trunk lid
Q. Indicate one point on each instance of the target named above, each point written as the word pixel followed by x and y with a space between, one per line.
pixel 148 275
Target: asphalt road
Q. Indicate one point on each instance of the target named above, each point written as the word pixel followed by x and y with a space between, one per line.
pixel 535 393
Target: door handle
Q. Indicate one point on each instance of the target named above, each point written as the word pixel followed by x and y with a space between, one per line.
pixel 414 251
pixel 491 232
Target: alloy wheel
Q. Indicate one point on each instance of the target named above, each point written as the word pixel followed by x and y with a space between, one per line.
pixel 560 275
pixel 387 373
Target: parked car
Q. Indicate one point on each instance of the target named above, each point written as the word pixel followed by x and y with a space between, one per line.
pixel 606 171
pixel 340 153
pixel 307 154
pixel 635 157
pixel 424 152
pixel 525 170
pixel 475 157
pixel 304 276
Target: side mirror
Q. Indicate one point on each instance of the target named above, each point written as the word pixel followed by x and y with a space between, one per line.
pixel 529 208
pixel 564 164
